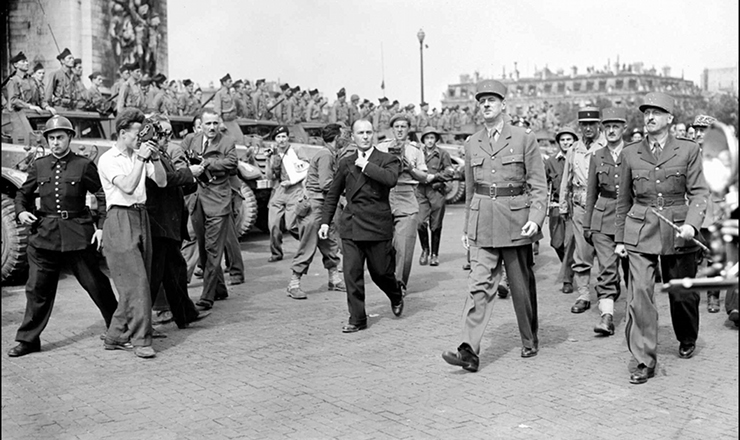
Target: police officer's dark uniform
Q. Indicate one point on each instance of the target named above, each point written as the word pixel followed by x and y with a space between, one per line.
pixel 667 179
pixel 61 235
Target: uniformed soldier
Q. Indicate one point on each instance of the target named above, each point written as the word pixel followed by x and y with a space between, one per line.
pixel 573 191
pixel 260 99
pixel 411 115
pixel 444 121
pixel 660 174
pixel 225 106
pixel 63 232
pixel 431 196
pixel 283 110
pixel 382 118
pixel 599 223
pixel 404 205
pixel 319 178
pixel 340 110
pixel 313 111
pixel 131 94
pixel 61 90
pixel 125 73
pixel 188 104
pixel 94 98
pixel 505 208
pixel 20 87
pixel 165 103
pixel 561 229
pixel 422 119
pixel 81 90
pixel 37 89
pixel 434 118
pixel 354 109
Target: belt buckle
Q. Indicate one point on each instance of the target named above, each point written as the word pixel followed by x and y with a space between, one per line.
pixel 492 192
pixel 660 202
pixel 64 215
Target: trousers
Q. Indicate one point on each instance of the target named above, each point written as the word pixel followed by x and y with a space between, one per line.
pixel 211 233
pixel 281 215
pixel 169 270
pixel 561 239
pixel 308 233
pixel 584 254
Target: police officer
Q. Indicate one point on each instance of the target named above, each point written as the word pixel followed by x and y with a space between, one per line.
pixel 504 210
pixel 573 190
pixel 63 232
pixel 403 200
pixel 431 196
pixel 660 174
pixel 61 89
pixel 599 223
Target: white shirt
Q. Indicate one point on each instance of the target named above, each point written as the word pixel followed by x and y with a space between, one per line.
pixel 114 163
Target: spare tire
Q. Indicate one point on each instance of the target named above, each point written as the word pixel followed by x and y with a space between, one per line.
pixel 248 214
pixel 15 239
pixel 454 191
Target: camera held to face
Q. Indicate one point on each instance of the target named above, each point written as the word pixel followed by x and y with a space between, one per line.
pixel 197 159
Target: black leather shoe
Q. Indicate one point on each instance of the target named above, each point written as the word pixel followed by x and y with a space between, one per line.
pixel 201 314
pixel 398 308
pixel 528 352
pixel 606 326
pixel 23 348
pixel 424 257
pixel 463 357
pixel 642 374
pixel 434 260
pixel 352 328
pixel 274 258
pixel 734 316
pixel 580 306
pixel 204 305
pixel 686 351
pixel 567 287
pixel 236 281
pixel 221 297
pixel 502 290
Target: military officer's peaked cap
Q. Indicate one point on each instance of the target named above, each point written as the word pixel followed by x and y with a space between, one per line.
pixel 589 114
pixel 186 82
pixel 65 53
pixel 614 114
pixel 490 87
pixel 658 100
pixel 703 121
pixel 341 93
pixel 566 130
pixel 20 57
pixel 225 78
pixel 38 67
pixel 399 117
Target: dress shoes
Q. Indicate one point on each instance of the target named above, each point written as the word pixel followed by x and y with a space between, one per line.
pixel 221 297
pixel 606 326
pixel 161 317
pixel 685 351
pixel 713 302
pixel 352 328
pixel 236 281
pixel 424 257
pixel 502 290
pixel 580 306
pixel 23 348
pixel 201 314
pixel 204 305
pixel 398 308
pixel 144 352
pixel 434 260
pixel 274 258
pixel 642 374
pixel 127 346
pixel 734 316
pixel 567 287
pixel 528 352
pixel 464 357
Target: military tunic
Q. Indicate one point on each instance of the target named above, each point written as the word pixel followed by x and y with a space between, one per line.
pixel 165 103
pixel 61 90
pixel 130 96
pixel 188 104
pixel 20 91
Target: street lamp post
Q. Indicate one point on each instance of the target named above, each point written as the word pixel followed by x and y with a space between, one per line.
pixel 420 35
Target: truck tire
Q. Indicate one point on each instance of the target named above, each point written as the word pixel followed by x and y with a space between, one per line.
pixel 248 213
pixel 15 239
pixel 454 191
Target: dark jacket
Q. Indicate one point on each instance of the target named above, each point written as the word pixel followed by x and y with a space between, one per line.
pixel 215 197
pixel 603 183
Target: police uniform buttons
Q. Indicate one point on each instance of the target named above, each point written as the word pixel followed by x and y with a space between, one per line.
pixel 657 181
pixel 657 168
pixel 493 171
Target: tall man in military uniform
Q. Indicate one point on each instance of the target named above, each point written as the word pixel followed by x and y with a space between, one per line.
pixel 504 211
pixel 61 90
pixel 20 88
pixel 573 190
pixel 225 107
pixel 260 98
pixel 599 223
pixel 131 94
pixel 37 89
pixel 660 174
pixel 63 232
pixel 313 110
pixel 339 113
pixel 187 103
pixel 422 119
pixel 403 200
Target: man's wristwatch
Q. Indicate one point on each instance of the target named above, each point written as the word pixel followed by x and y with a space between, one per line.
pixel 145 160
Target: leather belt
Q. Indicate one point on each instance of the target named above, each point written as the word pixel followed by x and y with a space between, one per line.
pixel 608 194
pixel 660 201
pixel 64 215
pixel 135 206
pixel 498 191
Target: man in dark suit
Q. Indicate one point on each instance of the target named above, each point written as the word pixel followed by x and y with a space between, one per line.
pixel 366 224
pixel 212 210
pixel 659 174
pixel 504 211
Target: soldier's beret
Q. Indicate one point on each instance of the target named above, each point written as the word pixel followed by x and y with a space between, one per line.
pixel 490 87
pixel 395 102
pixel 124 68
pixel 341 93
pixel 95 74
pixel 260 81
pixel 38 67
pixel 65 53
pixel 589 114
pixel 566 130
pixel 400 117
pixel 383 99
pixel 226 77
pixel 186 82
pixel 703 121
pixel 238 83
pixel 614 114
pixel 77 62
pixel 296 89
pixel 422 104
pixel 284 87
pixel 280 129
pixel 159 79
pixel 20 57
pixel 313 92
pixel 658 100
pixel 410 107
pixel 330 132
pixel 145 82
pixel 247 83
pixel 133 66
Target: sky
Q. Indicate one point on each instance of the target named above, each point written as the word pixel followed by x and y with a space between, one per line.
pixel 330 44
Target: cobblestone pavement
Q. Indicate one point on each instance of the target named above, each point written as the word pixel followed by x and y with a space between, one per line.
pixel 264 366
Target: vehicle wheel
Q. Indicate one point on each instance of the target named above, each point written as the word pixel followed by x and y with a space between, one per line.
pixel 15 239
pixel 248 213
pixel 454 191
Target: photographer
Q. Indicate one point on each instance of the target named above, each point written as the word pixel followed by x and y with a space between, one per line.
pixel 126 234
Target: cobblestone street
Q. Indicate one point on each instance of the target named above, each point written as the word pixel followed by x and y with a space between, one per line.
pixel 264 366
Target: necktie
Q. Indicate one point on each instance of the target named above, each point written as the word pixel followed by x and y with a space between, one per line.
pixel 657 150
pixel 494 135
pixel 206 145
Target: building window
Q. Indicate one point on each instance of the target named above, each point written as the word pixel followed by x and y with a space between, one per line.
pixel 589 86
pixel 619 84
pixel 561 87
pixel 632 84
pixel 576 86
pixel 602 85
pixel 548 88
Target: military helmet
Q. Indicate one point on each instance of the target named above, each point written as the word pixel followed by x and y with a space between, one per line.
pixel 59 123
pixel 566 130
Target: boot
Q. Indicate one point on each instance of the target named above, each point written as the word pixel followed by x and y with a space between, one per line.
pixel 294 287
pixel 424 241
pixel 436 236
pixel 606 326
pixel 713 301
pixel 336 282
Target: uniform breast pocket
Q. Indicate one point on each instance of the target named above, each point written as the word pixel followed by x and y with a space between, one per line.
pixel 73 186
pixel 602 174
pixel 45 186
pixel 476 162
pixel 513 167
pixel 676 178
